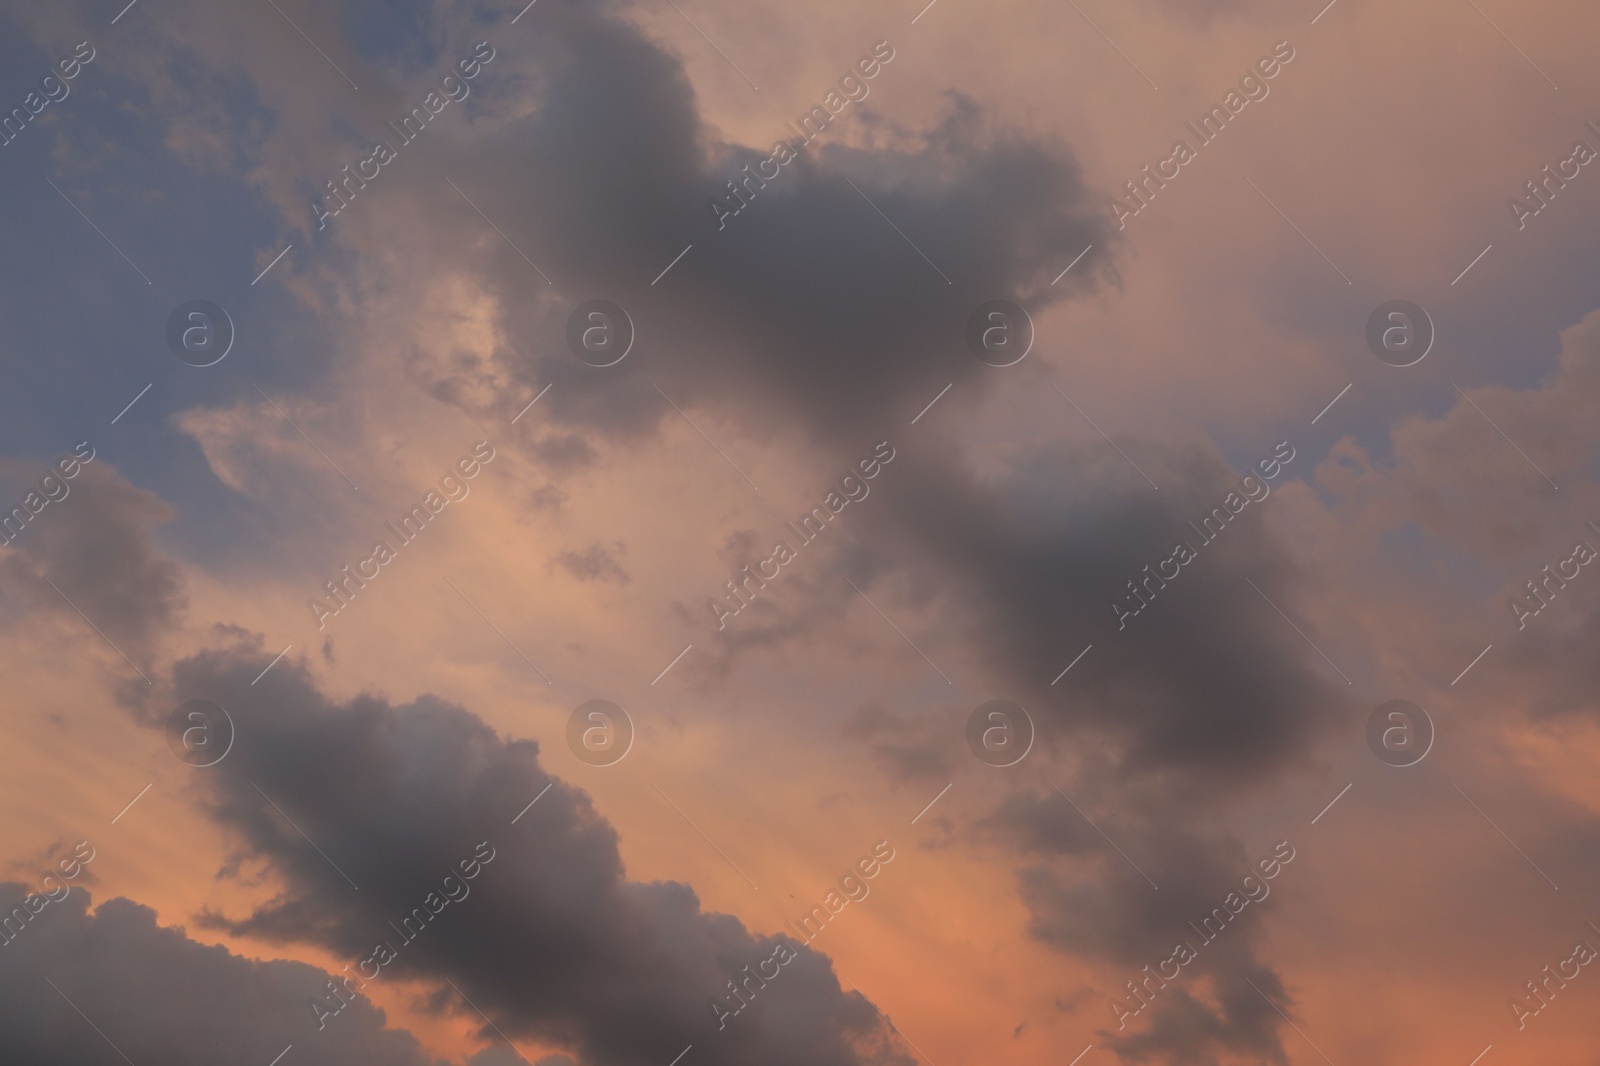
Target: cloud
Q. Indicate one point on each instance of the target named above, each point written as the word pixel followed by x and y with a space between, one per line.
pixel 894 741
pixel 551 941
pixel 595 563
pixel 1207 677
pixel 1185 1029
pixel 96 546
pixel 1460 480
pixel 1456 514
pixel 809 313
pixel 1019 571
pixel 1085 898
pixel 158 996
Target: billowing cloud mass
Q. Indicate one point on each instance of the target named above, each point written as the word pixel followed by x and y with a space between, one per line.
pixel 804 310
pixel 83 986
pixel 546 935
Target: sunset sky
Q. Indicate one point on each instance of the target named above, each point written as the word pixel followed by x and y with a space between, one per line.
pixel 706 534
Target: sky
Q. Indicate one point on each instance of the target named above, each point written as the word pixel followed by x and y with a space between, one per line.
pixel 685 534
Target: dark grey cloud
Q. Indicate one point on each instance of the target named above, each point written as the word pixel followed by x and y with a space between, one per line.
pixel 1208 677
pixel 595 563
pixel 1208 690
pixel 1087 900
pixel 95 544
pixel 1205 696
pixel 551 939
pixel 907 751
pixel 808 313
pixel 1185 1029
pixel 161 997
